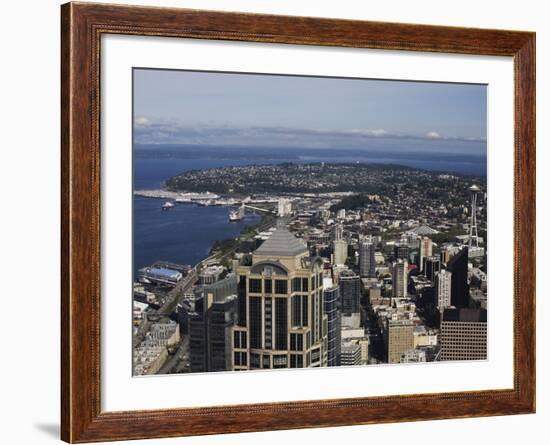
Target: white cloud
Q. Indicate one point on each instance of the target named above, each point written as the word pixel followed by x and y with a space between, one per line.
pixel 142 121
pixel 433 135
pixel 377 132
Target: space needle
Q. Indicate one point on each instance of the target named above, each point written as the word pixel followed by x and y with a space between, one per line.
pixel 474 190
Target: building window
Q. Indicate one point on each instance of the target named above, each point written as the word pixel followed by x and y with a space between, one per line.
pixel 296 361
pixel 297 311
pixel 281 323
pixel 240 358
pixel 254 361
pixel 313 318
pixel 279 361
pixel 239 339
pixel 296 342
pixel 304 285
pixel 255 322
pixel 265 362
pixel 268 317
pixel 241 302
pixel 296 284
pixel 281 287
pixel 315 355
pixel 268 284
pixel 304 310
pixel 255 285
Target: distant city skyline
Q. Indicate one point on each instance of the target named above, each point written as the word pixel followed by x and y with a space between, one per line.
pixel 187 107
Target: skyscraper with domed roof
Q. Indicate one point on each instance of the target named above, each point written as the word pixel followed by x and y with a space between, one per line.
pixel 282 321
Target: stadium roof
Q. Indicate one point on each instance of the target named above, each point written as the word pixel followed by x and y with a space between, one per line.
pixel 424 230
pixel 165 273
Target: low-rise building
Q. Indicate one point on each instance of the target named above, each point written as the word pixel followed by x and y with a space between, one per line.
pixel 399 338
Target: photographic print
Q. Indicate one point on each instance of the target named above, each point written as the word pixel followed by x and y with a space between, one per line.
pixel 285 221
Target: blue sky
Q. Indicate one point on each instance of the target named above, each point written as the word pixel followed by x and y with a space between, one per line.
pixel 182 107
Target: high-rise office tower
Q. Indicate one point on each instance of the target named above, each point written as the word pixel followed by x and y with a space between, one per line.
pixel 340 246
pixel 283 322
pixel 444 255
pixel 367 263
pixel 413 240
pixel 443 288
pixel 210 323
pixel 400 272
pixel 200 314
pixel 284 207
pixel 220 321
pixel 331 296
pixel 464 334
pixel 399 338
pixel 196 325
pixel 458 266
pixel 432 265
pixel 350 292
pixel 426 250
pixel 401 250
pixel 338 231
pixel 207 316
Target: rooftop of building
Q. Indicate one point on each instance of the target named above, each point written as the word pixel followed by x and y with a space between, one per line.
pixel 162 272
pixel 349 347
pixel 281 243
pixel 399 322
pixel 348 275
pixel 465 315
pixel 213 269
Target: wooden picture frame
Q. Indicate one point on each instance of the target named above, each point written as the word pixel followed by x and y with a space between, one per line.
pixel 82 26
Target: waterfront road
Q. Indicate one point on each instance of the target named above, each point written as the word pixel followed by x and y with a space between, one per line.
pixel 169 306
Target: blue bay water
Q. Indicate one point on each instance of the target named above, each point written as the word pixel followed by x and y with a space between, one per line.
pixel 186 233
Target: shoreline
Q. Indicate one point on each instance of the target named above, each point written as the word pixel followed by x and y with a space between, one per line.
pixel 251 223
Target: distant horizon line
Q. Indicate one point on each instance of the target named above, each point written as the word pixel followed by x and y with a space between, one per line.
pixel 337 151
pixel 220 145
pixel 173 131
